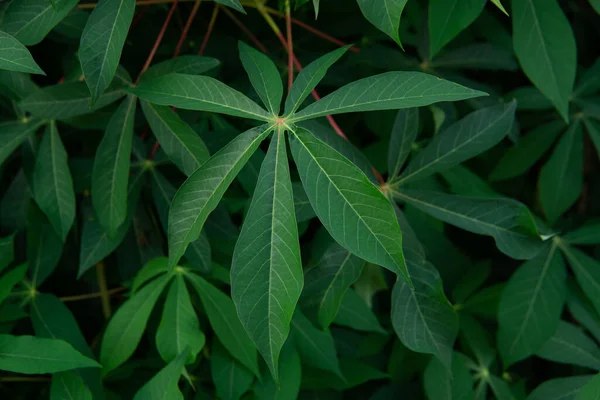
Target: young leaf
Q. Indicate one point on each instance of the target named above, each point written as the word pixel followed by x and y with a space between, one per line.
pixel 264 77
pixel 164 384
pixel 562 388
pixel 10 279
pixel 186 64
pixel 309 78
pixel 179 328
pixel 69 385
pixel 387 91
pixel 545 46
pixel 354 313
pixel 29 21
pixel 531 305
pixel 561 178
pixel 67 100
pixel 587 272
pixel 126 327
pixel 472 135
pixel 326 283
pixel 7 252
pixel 225 322
pixel 14 133
pixel 316 347
pixel 202 191
pixel 111 168
pixel 362 218
pixel 506 220
pixel 102 42
pixel 202 93
pixel 15 57
pixel 422 317
pixel 44 246
pixel 569 345
pixel 52 183
pixel 33 355
pixel 447 18
pixel 442 383
pixel 231 379
pixel 385 15
pixel 266 271
pixel 404 133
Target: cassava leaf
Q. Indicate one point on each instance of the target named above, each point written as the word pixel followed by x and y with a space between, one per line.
pixel 588 234
pixel 186 64
pixel 235 4
pixel 69 385
pixel 591 389
pixel 443 383
pixel 264 77
pixel 384 14
pixel 231 379
pixel 404 134
pixel 569 345
pixel 7 252
pixel 9 279
pixel 14 133
pixel 587 272
pixel 356 314
pixel 562 389
pixel 164 384
pixel 44 246
pixel 15 57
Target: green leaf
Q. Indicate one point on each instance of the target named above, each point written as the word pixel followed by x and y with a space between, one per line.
pixel 264 77
pixel 363 220
pixel 69 385
pixel 52 183
pixel 179 328
pixel 354 313
pixel 447 18
pixel 530 98
pixel 404 134
pixel 13 134
pixel 201 93
pixel 500 388
pixel 591 389
pixel 316 347
pixel 102 41
pixel 164 384
pixel 202 191
pixel 151 270
pixel 44 246
pixel 33 355
pixel 589 234
pixel 302 207
pixel 477 339
pixel 472 135
pixel 126 327
pixel 225 322
pixel 583 312
pixel 422 317
pixel 593 131
pixel 545 46
pixel 387 91
pixel 266 271
pixel 562 389
pixel 569 345
pixel 29 21
pixel 10 279
pixel 520 158
pixel 7 252
pixel 235 4
pixel 186 64
pixel 498 4
pixel 182 145
pixel 111 168
pixel 484 56
pixel 326 283
pixel 15 57
pixel 231 379
pixel 290 373
pixel 385 15
pixel 442 383
pixel 309 78
pixel 561 178
pixel 16 85
pixel 587 272
pixel 507 221
pixel 531 305
pixel 67 100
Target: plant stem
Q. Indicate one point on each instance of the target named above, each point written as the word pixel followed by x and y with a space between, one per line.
pixel 245 29
pixel 209 30
pixel 290 44
pixel 106 310
pixel 186 28
pixel 87 296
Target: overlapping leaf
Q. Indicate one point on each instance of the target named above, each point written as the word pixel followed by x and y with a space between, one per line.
pixel 264 77
pixel 384 14
pixel 15 57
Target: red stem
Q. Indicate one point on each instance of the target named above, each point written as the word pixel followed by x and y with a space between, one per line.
pixel 154 150
pixel 247 31
pixel 138 16
pixel 186 28
pixel 211 25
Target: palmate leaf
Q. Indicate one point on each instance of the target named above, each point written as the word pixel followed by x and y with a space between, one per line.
pixel 33 355
pixel 569 345
pixel 14 133
pixel 52 183
pixel 102 42
pixel 202 191
pixel 183 146
pixel 201 93
pixel 531 304
pixel 404 133
pixel 186 64
pixel 356 314
pixel 7 251
pixel 231 379
pixel 15 57
pixel 447 18
pixel 69 385
pixel 484 56
pixel 164 384
pixel 44 246
pixel 592 388
pixel 111 168
pixel 290 371
pixel 472 135
pixel 545 46
pixel 29 21
pixel 588 234
pixel 454 383
pixel 235 4
pixel 10 279
pixel 354 211
pixel 384 14
pixel 587 272
pixel 266 271
pixel 390 90
pixel 264 77
pixel 562 388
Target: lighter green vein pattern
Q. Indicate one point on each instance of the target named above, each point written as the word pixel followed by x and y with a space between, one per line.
pixel 102 41
pixel 13 134
pixel 390 90
pixel 52 182
pixel 353 210
pixel 266 271
pixel 202 191
pixel 15 57
pixel 384 14
pixel 264 77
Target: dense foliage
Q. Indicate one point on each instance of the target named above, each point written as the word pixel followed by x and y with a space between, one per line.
pixel 226 200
